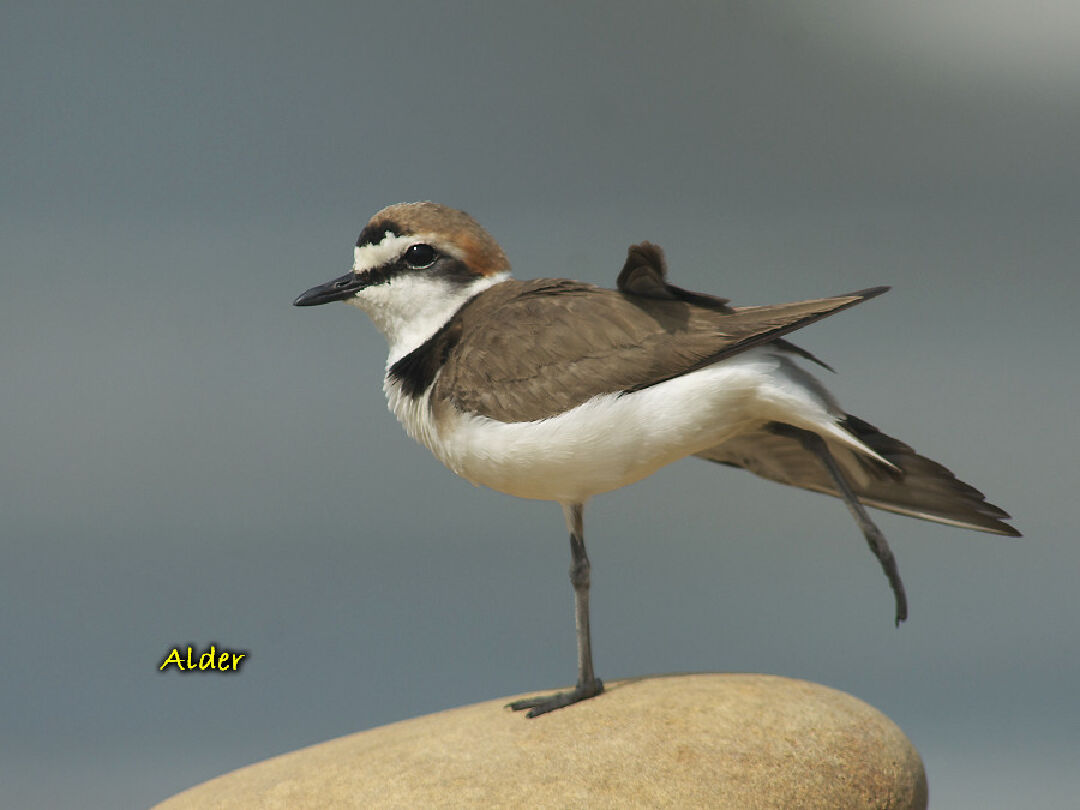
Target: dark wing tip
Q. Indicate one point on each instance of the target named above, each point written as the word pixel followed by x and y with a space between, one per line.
pixel 1006 530
pixel 871 292
pixel 991 519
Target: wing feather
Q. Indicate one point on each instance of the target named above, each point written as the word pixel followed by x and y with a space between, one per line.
pixel 529 350
pixel 919 487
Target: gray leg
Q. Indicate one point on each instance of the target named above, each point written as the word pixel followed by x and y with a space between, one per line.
pixel 588 685
pixel 878 544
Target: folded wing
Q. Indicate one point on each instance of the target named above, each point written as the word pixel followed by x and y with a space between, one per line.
pixel 529 350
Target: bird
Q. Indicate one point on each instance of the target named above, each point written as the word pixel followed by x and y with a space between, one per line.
pixel 559 390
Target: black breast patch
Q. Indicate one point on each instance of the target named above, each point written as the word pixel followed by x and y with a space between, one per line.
pixel 415 372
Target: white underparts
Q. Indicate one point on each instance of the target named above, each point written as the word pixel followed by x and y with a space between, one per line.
pixel 615 439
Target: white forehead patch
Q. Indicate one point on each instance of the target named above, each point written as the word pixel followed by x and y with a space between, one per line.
pixel 368 257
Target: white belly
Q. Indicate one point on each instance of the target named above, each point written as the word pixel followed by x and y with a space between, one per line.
pixel 614 440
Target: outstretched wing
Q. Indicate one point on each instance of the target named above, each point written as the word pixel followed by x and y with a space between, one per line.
pixel 918 487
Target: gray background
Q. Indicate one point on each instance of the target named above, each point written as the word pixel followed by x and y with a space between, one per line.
pixel 188 459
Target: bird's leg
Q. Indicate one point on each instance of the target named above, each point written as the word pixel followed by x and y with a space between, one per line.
pixel 878 544
pixel 588 685
pixel 579 578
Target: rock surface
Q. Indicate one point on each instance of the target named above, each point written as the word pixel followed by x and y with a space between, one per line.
pixel 684 741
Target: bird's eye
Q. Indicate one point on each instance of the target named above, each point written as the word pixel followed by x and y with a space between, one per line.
pixel 420 256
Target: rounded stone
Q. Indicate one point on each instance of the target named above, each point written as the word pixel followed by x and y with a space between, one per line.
pixel 682 741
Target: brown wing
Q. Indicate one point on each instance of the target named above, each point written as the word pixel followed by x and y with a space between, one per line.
pixel 922 488
pixel 645 273
pixel 523 351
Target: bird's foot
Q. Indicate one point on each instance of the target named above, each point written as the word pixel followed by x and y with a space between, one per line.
pixel 549 703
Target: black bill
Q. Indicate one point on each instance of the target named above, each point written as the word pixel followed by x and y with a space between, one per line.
pixel 337 289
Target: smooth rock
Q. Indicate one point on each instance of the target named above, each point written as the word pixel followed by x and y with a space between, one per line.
pixel 710 740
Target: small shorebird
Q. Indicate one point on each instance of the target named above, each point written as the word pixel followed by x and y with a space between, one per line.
pixel 558 390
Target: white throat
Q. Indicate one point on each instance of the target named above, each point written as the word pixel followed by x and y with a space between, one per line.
pixel 411 308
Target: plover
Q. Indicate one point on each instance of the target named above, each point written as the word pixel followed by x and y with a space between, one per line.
pixel 558 390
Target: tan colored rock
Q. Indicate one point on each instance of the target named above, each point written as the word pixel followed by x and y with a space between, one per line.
pixel 682 741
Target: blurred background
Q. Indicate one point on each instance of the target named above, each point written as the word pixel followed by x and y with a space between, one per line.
pixel 189 460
